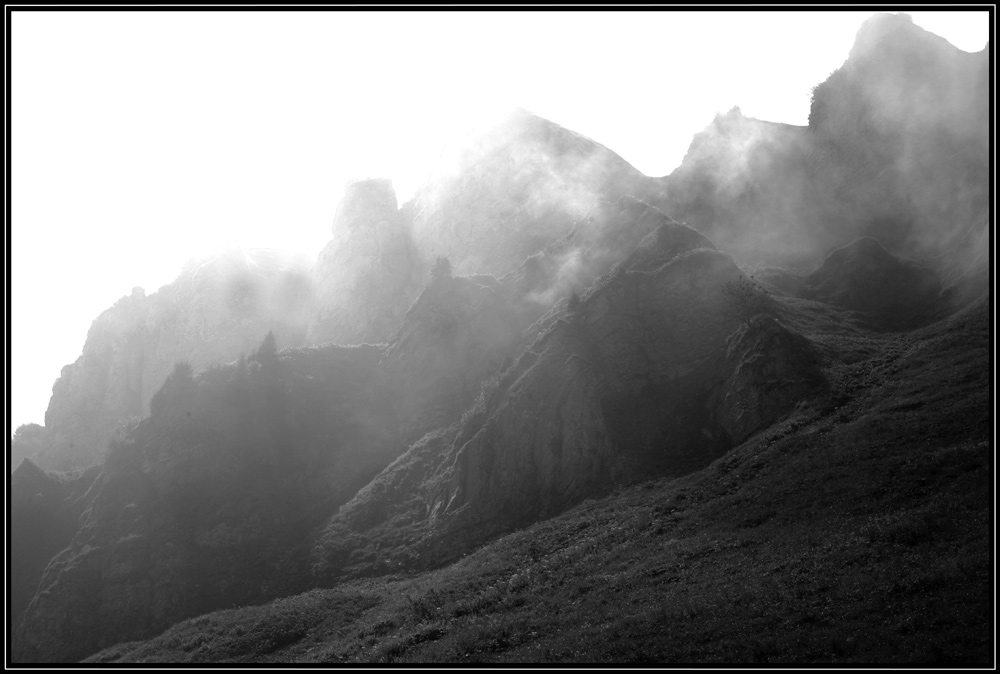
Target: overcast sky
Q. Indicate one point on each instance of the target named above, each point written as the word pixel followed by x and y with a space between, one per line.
pixel 141 139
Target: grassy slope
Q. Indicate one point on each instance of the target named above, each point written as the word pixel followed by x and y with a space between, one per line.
pixel 856 532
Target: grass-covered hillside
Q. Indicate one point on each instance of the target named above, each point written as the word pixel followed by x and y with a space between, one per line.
pixel 857 530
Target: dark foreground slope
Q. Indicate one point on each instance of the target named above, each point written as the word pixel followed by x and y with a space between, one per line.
pixel 856 531
pixel 45 511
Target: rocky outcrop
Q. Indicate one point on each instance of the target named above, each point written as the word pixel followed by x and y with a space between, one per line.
pixel 217 309
pixel 369 273
pixel 889 291
pixel 770 369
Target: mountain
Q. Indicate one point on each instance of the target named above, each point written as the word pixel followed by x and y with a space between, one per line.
pixel 218 308
pixel 637 380
pixel 570 426
pixel 245 461
pixel 847 533
pixel 890 292
pixel 897 148
pixel 515 188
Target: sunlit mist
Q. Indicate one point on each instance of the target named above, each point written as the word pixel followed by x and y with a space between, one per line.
pixel 141 140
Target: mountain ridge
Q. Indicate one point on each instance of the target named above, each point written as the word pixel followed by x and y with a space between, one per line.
pixel 587 349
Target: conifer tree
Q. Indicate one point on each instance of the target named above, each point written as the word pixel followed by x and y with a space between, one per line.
pixel 267 354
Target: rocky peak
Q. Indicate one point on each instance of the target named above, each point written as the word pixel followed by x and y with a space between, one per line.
pixel 521 186
pixel 893 35
pixel 900 77
pixel 369 272
pixel 365 203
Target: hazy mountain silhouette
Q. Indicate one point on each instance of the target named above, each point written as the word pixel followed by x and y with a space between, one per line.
pixel 897 148
pixel 539 327
pixel 218 308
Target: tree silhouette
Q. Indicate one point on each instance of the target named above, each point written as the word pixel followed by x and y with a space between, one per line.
pixel 441 269
pixel 267 354
pixel 176 389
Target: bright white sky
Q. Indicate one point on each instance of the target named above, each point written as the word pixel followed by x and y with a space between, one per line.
pixel 141 139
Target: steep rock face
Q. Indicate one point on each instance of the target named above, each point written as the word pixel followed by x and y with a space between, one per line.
pixel 242 461
pixel 369 273
pixel 457 332
pixel 909 113
pixel 238 463
pixel 520 187
pixel 217 309
pixel 890 291
pixel 635 380
pixel 771 369
pixel 896 149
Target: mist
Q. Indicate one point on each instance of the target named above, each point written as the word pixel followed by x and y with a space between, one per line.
pixel 896 148
pixel 401 401
pixel 101 171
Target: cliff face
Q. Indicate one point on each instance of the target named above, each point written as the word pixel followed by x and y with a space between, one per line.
pixel 217 309
pixel 458 331
pixel 243 461
pixel 369 273
pixel 896 149
pixel 636 380
pixel 769 369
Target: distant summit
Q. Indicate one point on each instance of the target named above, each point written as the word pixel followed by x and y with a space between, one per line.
pixel 517 186
pixel 897 149
pixel 219 307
